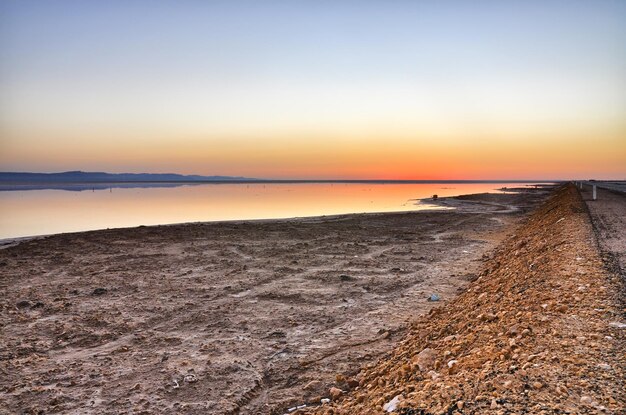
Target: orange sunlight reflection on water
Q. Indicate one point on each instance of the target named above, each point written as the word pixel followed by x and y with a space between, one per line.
pixel 41 212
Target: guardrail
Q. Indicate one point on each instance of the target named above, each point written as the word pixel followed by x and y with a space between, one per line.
pixel 613 186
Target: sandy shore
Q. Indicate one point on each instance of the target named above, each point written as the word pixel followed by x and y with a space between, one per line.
pixel 228 317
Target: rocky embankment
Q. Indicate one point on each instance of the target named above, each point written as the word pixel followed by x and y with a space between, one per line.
pixel 541 331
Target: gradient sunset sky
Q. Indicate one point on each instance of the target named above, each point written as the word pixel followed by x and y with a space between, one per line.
pixel 315 89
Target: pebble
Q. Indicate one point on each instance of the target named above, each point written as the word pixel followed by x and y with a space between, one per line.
pixel 586 400
pixel 335 393
pixel 392 404
pixel 426 359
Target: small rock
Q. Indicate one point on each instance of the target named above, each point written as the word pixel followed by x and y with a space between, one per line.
pixel 353 383
pixel 460 405
pixel 537 385
pixel 586 400
pixel 392 404
pixel 433 375
pixel 191 378
pixel 335 393
pixel 426 359
pixel 605 366
pixel 494 404
pixel 434 297
pixel 324 401
pixel 617 324
pixel 452 367
pixel 99 291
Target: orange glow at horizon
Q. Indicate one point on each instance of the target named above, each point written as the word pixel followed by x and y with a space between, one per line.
pixel 537 156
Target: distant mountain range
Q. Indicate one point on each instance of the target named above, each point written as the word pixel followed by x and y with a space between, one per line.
pixel 101 177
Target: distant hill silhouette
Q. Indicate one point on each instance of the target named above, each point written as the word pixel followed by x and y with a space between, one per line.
pixel 101 177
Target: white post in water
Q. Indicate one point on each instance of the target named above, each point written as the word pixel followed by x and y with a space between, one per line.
pixel 594 192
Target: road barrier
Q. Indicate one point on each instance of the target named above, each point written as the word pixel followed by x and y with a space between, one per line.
pixel 613 186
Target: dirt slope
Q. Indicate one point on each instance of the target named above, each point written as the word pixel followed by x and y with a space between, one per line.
pixel 540 332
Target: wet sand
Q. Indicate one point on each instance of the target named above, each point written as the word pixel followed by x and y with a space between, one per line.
pixel 233 317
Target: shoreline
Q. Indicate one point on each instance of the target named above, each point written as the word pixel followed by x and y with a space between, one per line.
pixel 442 204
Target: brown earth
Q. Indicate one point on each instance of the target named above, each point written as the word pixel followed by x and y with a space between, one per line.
pixel 248 317
pixel 540 332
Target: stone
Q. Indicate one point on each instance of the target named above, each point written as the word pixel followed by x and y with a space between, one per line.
pixel 335 393
pixel 426 359
pixel 352 383
pixel 392 404
pixel 586 400
pixel 190 378
pixel 453 367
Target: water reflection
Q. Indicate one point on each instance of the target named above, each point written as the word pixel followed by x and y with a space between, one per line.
pixel 47 211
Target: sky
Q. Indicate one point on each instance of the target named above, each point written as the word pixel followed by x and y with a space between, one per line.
pixel 323 89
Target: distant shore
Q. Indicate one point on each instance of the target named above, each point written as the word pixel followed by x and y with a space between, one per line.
pixel 79 185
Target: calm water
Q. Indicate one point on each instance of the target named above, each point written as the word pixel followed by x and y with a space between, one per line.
pixel 41 212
